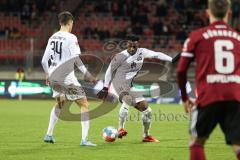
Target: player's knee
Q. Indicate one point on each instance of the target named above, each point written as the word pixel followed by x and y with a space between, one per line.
pixel 60 101
pixel 141 106
pixel 86 104
pixel 125 97
pixel 57 106
pixel 82 103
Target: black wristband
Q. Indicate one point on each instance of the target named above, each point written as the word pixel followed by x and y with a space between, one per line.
pixel 176 57
pixel 105 88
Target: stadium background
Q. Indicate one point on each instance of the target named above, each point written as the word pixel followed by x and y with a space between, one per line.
pixel 100 25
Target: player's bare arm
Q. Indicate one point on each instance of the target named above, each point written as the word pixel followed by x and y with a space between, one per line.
pixel 87 75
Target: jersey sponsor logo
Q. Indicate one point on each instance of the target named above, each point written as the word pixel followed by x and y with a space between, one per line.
pixel 139 58
pixel 218 78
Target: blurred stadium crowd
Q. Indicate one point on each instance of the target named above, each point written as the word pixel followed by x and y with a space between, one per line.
pixel 162 24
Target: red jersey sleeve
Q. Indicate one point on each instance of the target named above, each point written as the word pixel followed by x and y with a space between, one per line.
pixel 186 58
pixel 189 46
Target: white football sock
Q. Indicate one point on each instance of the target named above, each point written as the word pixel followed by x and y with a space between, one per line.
pixel 54 116
pixel 123 113
pixel 146 121
pixel 85 125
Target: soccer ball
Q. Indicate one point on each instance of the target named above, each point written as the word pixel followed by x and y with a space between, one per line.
pixel 109 134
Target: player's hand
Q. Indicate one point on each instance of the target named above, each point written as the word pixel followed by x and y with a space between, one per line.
pixel 103 93
pixel 188 105
pixel 47 80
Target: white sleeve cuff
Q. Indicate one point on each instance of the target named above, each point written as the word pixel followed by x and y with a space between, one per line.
pixel 187 54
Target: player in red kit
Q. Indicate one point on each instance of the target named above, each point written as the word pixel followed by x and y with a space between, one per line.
pixel 216 50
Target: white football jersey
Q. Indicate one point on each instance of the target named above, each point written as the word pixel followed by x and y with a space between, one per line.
pixel 124 67
pixel 127 66
pixel 60 56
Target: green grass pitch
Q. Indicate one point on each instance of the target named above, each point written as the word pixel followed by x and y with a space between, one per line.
pixel 24 123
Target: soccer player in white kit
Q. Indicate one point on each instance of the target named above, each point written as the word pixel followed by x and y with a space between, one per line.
pixel 60 57
pixel 120 73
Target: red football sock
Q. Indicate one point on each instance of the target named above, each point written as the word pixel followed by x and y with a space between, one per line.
pixel 197 152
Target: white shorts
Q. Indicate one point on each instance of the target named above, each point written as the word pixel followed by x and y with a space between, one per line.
pixel 72 92
pixel 136 97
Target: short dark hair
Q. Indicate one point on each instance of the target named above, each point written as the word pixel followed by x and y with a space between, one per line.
pixel 132 37
pixel 64 17
pixel 219 8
